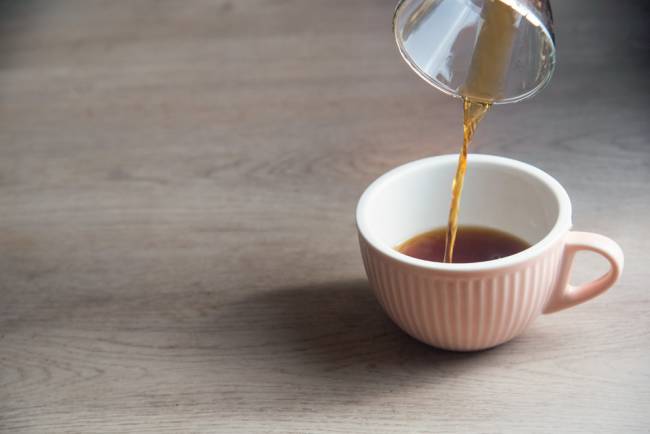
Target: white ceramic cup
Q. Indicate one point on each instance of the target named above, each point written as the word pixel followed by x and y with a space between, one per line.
pixel 474 306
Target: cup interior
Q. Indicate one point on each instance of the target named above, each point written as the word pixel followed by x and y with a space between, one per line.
pixel 498 193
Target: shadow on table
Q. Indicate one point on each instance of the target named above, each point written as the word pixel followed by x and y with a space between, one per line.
pixel 339 331
pixel 16 18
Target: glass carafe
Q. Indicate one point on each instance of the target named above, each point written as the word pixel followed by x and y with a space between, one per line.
pixel 495 51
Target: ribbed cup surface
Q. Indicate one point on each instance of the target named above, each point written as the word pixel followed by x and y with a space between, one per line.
pixel 464 311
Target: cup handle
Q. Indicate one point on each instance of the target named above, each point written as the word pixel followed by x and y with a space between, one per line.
pixel 566 295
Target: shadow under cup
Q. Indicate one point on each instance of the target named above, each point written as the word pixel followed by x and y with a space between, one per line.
pixel 473 306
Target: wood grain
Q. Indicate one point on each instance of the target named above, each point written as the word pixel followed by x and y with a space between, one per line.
pixel 177 248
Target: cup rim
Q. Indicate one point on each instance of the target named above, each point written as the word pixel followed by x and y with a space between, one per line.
pixel 560 227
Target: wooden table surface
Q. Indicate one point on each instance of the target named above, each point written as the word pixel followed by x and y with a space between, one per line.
pixel 177 244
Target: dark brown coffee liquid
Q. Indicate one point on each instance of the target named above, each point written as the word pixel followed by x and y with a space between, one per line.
pixel 473 244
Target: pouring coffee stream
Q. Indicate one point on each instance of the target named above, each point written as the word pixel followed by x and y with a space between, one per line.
pixel 473 112
pixel 483 51
pixel 484 84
